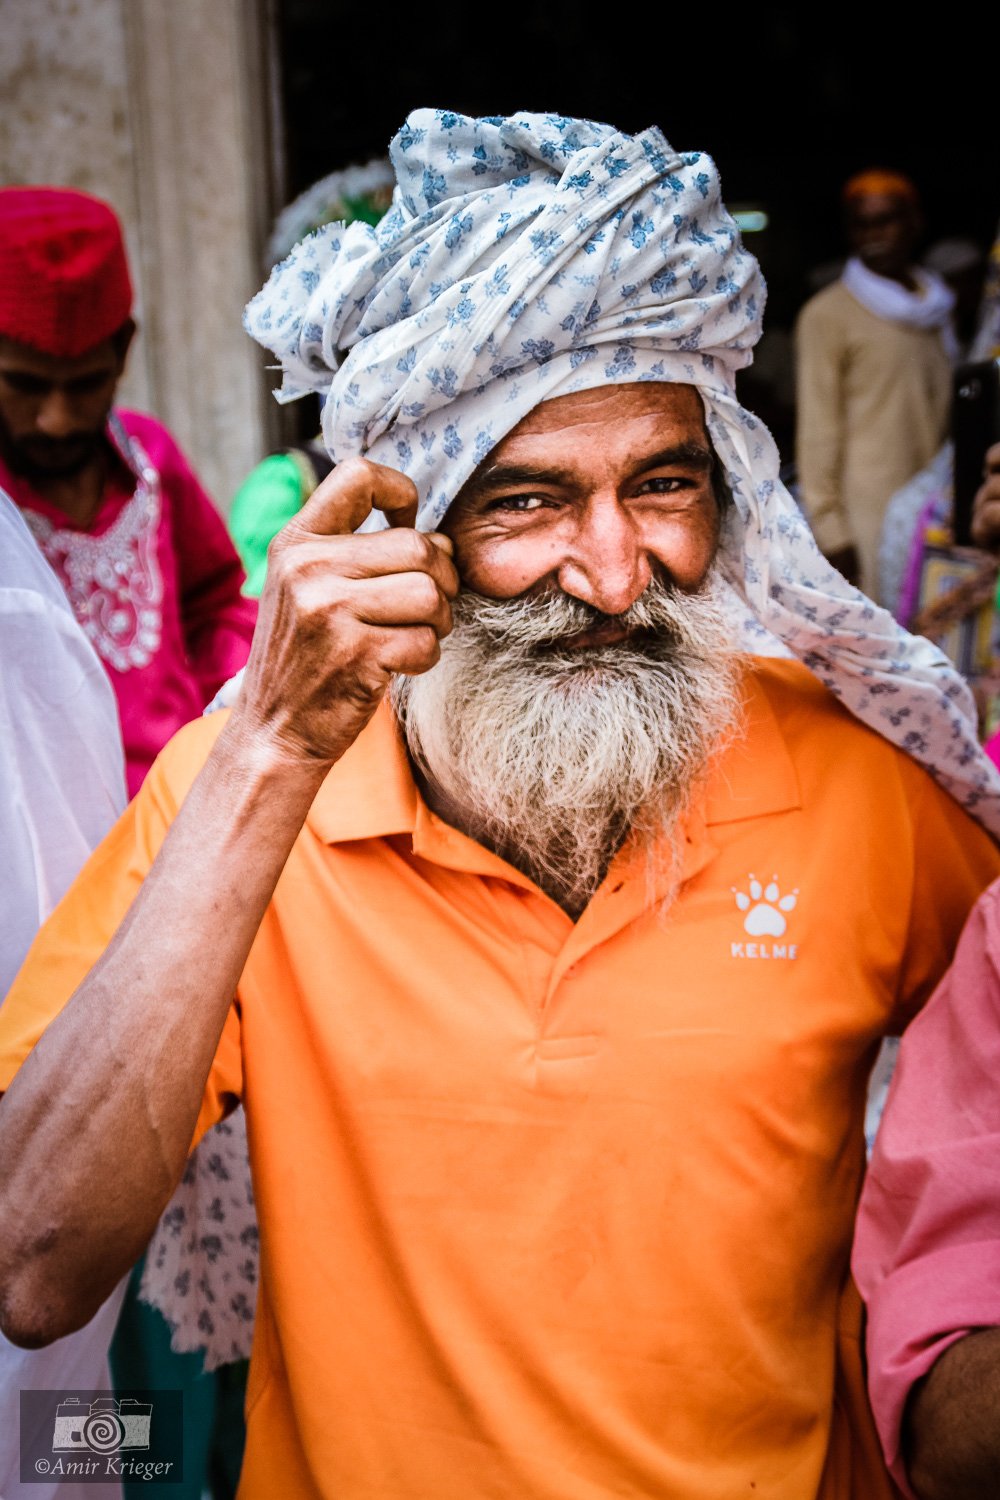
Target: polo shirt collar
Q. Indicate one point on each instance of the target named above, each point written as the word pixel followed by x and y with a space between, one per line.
pixel 370 792
pixel 755 776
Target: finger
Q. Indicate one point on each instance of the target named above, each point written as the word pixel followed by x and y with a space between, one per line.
pixel 992 463
pixel 409 649
pixel 348 495
pixel 398 599
pixel 405 599
pixel 374 554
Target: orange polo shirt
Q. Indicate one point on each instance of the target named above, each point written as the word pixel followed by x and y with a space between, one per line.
pixel 557 1211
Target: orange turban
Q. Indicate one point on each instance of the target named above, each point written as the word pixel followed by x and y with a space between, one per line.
pixel 884 184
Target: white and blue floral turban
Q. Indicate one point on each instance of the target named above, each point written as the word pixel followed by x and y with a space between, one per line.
pixel 529 257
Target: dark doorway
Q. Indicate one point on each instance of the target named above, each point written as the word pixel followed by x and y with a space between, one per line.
pixel 788 101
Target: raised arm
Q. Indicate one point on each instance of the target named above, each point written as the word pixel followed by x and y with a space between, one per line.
pixel 96 1126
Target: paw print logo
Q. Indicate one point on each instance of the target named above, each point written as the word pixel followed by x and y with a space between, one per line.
pixel 764 906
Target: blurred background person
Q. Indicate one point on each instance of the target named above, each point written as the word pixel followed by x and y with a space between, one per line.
pixel 921 509
pixel 874 354
pixel 927 1238
pixel 150 573
pixel 141 551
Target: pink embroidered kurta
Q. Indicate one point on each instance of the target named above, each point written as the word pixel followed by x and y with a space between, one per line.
pixel 155 582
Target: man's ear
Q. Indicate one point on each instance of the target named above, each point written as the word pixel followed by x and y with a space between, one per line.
pixel 122 340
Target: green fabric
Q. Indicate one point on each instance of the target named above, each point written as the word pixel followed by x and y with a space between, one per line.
pixel 362 208
pixel 141 1358
pixel 268 498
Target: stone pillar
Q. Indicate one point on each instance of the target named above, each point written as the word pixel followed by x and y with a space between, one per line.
pixel 168 111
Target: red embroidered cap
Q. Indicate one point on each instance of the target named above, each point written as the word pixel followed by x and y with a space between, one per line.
pixel 64 281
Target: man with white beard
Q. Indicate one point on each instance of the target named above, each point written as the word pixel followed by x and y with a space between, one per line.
pixel 557 721
pixel 544 931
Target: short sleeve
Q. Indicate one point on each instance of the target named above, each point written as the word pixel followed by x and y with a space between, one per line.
pixel 954 860
pixel 73 938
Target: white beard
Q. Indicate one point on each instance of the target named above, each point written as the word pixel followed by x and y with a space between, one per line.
pixel 552 756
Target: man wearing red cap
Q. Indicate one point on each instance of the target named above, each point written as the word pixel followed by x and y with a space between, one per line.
pixel 874 355
pixel 140 549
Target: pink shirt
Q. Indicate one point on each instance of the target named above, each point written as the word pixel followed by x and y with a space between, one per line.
pixel 155 582
pixel 927 1246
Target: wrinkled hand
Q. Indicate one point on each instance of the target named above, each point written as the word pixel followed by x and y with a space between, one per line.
pixel 340 614
pixel 985 528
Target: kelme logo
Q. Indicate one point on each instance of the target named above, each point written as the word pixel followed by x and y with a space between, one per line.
pixel 765 918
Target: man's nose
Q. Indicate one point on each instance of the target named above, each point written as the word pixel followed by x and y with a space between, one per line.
pixel 56 415
pixel 607 564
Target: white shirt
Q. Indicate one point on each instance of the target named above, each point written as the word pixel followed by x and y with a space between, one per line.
pixel 62 785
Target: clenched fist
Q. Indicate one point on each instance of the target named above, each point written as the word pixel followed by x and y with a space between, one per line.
pixel 341 613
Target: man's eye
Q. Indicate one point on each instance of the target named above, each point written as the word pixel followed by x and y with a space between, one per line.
pixel 665 484
pixel 518 502
pixel 25 385
pixel 84 384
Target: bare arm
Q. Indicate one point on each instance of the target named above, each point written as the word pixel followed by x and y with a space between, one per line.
pixel 96 1126
pixel 952 1431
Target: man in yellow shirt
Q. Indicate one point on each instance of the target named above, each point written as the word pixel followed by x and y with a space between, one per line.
pixel 546 937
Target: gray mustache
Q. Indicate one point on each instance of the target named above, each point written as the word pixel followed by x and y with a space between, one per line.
pixel 545 619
